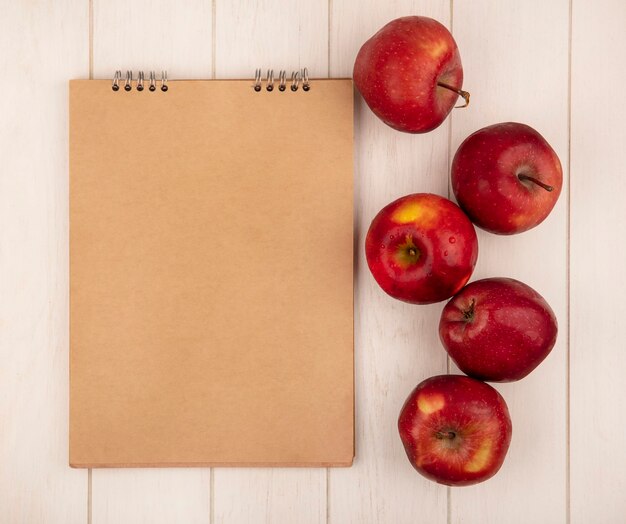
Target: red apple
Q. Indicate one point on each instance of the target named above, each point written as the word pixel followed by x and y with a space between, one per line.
pixel 410 74
pixel 506 177
pixel 421 248
pixel 455 430
pixel 498 329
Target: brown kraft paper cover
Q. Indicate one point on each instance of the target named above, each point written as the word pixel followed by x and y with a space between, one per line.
pixel 211 318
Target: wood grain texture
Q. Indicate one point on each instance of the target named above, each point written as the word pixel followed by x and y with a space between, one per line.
pixel 43 44
pixel 270 34
pixel 515 58
pixel 250 495
pixel 150 496
pixel 152 35
pixel 597 260
pixel 396 344
pixel 516 78
pixel 279 35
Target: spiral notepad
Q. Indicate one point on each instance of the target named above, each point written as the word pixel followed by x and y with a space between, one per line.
pixel 211 260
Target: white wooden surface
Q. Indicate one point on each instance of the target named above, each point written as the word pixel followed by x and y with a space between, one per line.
pixel 396 344
pixel 40 47
pixel 520 73
pixel 597 260
pixel 556 65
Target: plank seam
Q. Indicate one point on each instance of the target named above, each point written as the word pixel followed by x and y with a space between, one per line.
pixel 213 36
pixel 567 272
pixel 211 495
pixel 89 497
pixel 90 46
pixel 327 495
pixel 330 11
pixel 213 40
pixel 328 33
pixel 90 66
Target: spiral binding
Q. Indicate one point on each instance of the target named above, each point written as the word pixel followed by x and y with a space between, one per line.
pixel 297 78
pixel 141 78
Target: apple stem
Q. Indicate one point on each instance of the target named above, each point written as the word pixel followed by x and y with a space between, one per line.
pixel 535 181
pixel 445 435
pixel 412 252
pixel 468 314
pixel 464 94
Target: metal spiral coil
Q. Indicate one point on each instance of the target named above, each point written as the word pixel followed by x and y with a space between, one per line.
pixel 141 77
pixel 298 78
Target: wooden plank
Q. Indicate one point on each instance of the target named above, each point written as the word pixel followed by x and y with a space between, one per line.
pixel 597 258
pixel 271 35
pixel 152 35
pixel 278 35
pixel 43 45
pixel 515 77
pixel 249 495
pixel 151 496
pixel 397 344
